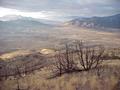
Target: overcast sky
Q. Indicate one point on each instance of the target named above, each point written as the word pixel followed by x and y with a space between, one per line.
pixel 55 8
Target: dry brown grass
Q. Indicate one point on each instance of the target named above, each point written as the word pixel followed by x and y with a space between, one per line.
pixel 105 79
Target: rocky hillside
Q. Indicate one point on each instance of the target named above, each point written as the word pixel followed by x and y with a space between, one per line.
pixel 97 22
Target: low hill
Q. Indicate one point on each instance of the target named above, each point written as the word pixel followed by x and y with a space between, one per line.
pixel 97 22
pixel 23 23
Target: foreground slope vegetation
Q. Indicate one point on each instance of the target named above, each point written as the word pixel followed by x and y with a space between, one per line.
pixel 76 66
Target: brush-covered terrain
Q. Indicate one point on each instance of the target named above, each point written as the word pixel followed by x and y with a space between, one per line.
pixel 79 66
pixel 72 56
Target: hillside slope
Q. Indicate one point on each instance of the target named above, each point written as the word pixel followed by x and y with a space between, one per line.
pixel 97 22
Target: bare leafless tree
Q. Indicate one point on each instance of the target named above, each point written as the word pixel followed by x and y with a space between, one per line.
pixel 18 75
pixel 79 57
pixel 64 61
pixel 89 57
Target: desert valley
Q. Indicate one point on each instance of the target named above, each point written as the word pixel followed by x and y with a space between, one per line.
pixel 70 52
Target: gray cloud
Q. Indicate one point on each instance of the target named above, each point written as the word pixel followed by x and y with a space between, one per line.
pixel 66 7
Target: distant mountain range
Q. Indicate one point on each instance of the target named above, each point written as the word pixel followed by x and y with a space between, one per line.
pixel 18 17
pixel 14 22
pixel 10 17
pixel 97 22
